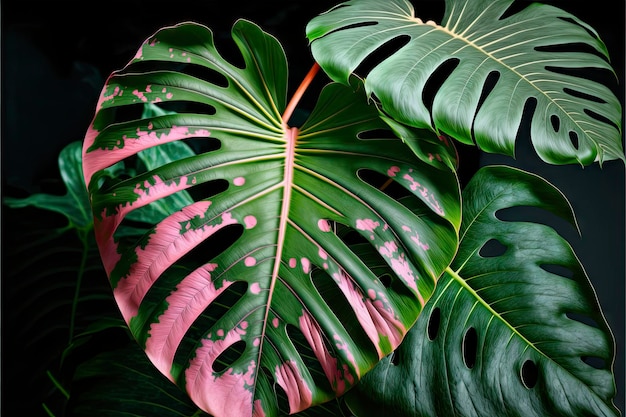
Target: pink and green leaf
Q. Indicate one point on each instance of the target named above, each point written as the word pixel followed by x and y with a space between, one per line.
pixel 246 290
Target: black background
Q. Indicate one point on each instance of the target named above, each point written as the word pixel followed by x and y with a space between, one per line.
pixel 56 56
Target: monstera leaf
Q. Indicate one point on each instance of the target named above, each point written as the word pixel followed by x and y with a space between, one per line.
pixel 245 291
pixel 473 76
pixel 513 328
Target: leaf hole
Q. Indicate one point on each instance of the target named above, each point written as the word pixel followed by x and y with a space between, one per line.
pixel 210 317
pixel 582 318
pixel 529 374
pixel 556 122
pixel 594 362
pixel 573 137
pixel 470 347
pixel 436 80
pixel 380 54
pixel 206 189
pixel 533 214
pixel 492 248
pixel 601 118
pixel 377 134
pixel 229 356
pixel 574 47
pixel 584 96
pixel 559 270
pixel 341 307
pixel 433 323
pixel 488 86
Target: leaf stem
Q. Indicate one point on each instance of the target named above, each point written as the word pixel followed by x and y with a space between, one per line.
pixel 299 92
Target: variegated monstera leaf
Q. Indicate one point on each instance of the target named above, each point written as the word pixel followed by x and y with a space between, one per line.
pixel 245 291
pixel 479 73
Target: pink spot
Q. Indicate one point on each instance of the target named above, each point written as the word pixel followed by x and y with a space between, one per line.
pixel 164 90
pixel 255 288
pixel 257 341
pixel 169 95
pixel 239 181
pixel 367 224
pixel 148 89
pixel 393 171
pixel 292 263
pixel 306 265
pixel 323 225
pixel 250 221
pixel 322 254
pixel 220 332
pixel 275 322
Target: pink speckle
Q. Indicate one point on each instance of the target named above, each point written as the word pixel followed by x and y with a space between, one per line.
pixel 164 90
pixel 275 322
pixel 255 288
pixel 322 254
pixel 220 332
pixel 292 263
pixel 393 171
pixel 239 181
pixel 250 221
pixel 169 95
pixel 306 265
pixel 323 225
pixel 148 89
pixel 257 341
pixel 140 95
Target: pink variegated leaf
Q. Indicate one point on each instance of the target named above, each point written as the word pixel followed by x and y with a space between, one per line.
pixel 247 291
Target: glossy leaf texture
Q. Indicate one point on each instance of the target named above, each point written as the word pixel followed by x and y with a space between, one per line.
pixel 245 292
pixel 476 75
pixel 514 326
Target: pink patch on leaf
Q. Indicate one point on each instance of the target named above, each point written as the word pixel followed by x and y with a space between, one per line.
pixel 249 221
pixel 393 171
pixel 306 265
pixel 323 225
pixel 239 181
pixel 255 288
pixel 367 224
pixel 298 392
pixel 292 262
pixel 226 394
pixel 250 261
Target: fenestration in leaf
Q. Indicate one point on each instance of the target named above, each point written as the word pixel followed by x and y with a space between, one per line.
pixel 484 70
pixel 249 293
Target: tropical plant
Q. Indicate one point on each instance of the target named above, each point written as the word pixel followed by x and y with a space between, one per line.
pixel 341 267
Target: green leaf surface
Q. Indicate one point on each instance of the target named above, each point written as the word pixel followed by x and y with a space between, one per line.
pixel 513 329
pixel 249 296
pixel 472 76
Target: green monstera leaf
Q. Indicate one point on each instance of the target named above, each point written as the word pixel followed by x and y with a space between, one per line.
pixel 513 328
pixel 473 76
pixel 248 296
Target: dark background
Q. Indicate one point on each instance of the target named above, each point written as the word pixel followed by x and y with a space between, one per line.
pixel 57 54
